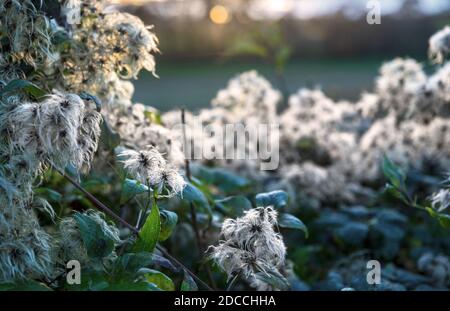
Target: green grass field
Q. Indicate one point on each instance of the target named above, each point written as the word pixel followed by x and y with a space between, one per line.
pixel 194 84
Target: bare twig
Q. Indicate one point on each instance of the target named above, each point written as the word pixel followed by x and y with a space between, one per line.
pixel 198 236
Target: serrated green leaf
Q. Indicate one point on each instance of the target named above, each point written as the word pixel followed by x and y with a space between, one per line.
pixel 149 234
pixel 168 222
pixel 278 199
pixel 290 221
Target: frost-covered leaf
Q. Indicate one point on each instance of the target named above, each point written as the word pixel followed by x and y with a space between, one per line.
pixel 278 199
pixel 290 221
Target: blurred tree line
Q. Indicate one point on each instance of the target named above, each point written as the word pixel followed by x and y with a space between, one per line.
pixel 332 36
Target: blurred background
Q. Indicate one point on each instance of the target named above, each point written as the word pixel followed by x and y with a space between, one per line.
pixel 293 43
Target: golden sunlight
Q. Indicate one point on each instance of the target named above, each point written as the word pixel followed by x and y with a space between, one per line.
pixel 220 15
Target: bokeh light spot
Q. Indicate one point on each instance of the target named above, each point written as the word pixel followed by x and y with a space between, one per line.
pixel 220 15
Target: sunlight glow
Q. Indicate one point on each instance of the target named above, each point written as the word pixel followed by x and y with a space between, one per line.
pixel 220 15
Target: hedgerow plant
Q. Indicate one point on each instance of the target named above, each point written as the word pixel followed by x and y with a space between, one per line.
pixel 88 175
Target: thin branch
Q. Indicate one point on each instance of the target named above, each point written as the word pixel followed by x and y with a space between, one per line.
pixel 198 236
pixel 113 215
pixel 188 175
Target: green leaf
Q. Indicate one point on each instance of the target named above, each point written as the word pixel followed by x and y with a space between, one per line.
pixel 153 116
pixel 108 137
pixel 353 233
pixel 23 85
pixel 282 55
pixel 131 263
pixel 91 280
pixel 444 219
pixel 273 278
pixel 48 194
pixel 158 278
pixel 192 194
pixel 131 188
pixel 60 37
pixel 223 179
pixel 393 173
pixel 278 199
pixel 99 243
pixel 92 98
pixel 149 234
pixel 290 221
pixel 27 286
pixel 131 285
pixel 188 283
pixel 233 206
pixel 247 46
pixel 168 222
